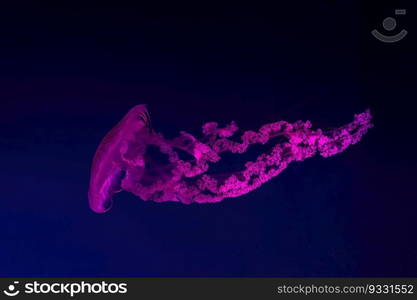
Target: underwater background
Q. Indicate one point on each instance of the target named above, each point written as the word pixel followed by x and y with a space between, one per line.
pixel 68 75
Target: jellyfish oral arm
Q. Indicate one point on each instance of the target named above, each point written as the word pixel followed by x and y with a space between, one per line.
pixel 187 181
pixel 302 144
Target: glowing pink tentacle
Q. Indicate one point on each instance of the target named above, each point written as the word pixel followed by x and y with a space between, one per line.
pixel 187 182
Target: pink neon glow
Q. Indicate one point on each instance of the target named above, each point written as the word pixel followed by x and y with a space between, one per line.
pixel 122 161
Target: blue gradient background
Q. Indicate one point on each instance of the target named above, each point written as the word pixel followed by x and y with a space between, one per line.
pixel 67 76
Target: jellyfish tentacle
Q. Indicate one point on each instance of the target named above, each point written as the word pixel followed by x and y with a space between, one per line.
pixel 187 180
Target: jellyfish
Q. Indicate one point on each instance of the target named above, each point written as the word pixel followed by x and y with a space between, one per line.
pixel 124 162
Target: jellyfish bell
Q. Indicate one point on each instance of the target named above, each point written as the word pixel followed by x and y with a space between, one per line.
pixel 124 160
pixel 111 158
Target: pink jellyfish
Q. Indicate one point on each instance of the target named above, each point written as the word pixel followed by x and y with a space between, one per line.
pixel 123 161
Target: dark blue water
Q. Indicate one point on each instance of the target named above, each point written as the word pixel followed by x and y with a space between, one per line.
pixel 67 76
